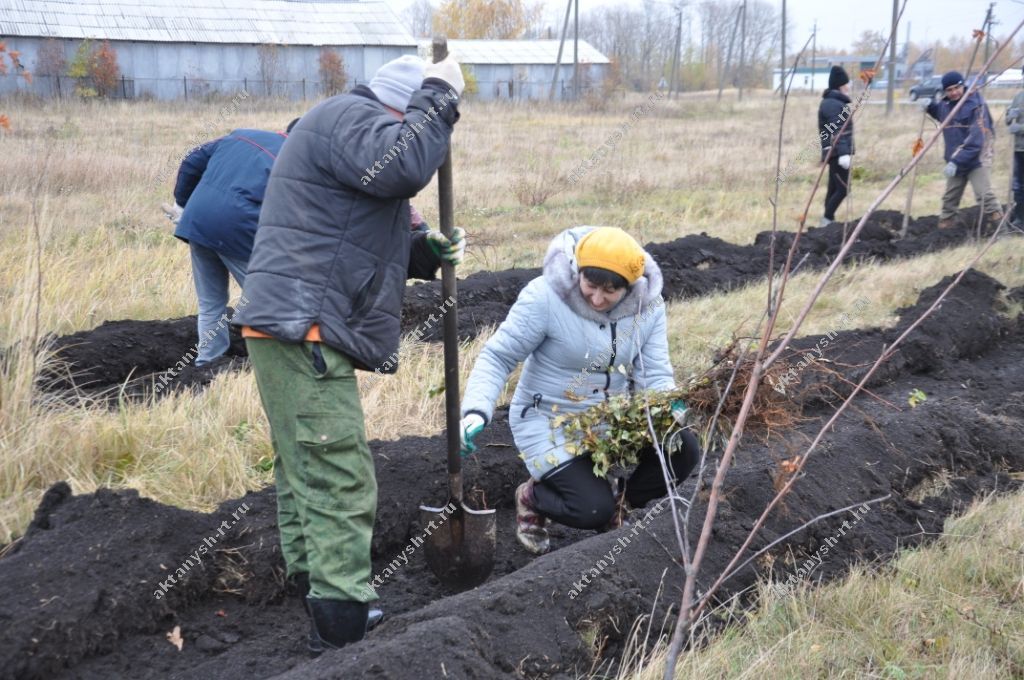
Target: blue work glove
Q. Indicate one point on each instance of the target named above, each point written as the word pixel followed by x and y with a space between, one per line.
pixel 448 250
pixel 950 169
pixel 680 412
pixel 469 427
pixel 1016 128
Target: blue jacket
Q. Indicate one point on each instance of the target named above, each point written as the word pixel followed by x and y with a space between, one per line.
pixel 575 356
pixel 967 134
pixel 221 185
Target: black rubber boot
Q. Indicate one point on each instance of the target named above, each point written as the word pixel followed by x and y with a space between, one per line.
pixel 1018 215
pixel 300 583
pixel 338 622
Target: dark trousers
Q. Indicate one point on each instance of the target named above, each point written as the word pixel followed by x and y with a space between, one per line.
pixel 1018 185
pixel 838 187
pixel 571 494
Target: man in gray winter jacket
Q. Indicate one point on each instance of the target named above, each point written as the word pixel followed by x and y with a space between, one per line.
pixel 324 289
pixel 1015 119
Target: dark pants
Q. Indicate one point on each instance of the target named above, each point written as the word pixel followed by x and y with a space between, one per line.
pixel 573 495
pixel 838 187
pixel 1018 186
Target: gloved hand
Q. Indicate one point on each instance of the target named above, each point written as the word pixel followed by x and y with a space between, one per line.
pixel 449 251
pixel 924 103
pixel 950 169
pixel 469 428
pixel 1016 128
pixel 844 162
pixel 680 412
pixel 449 71
pixel 173 212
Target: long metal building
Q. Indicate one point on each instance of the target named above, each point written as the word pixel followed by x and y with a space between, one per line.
pixel 523 69
pixel 169 49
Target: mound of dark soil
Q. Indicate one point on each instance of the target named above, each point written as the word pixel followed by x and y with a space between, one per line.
pixel 79 588
pixel 146 353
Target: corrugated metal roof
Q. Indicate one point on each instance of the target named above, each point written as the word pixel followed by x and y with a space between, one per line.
pixel 519 51
pixel 207 21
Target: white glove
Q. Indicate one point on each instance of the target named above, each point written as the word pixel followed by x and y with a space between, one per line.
pixel 173 212
pixel 950 169
pixel 449 71
pixel 844 162
pixel 451 251
pixel 924 103
pixel 469 428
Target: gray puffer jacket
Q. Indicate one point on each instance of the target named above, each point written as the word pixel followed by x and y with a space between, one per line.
pixel 575 356
pixel 334 246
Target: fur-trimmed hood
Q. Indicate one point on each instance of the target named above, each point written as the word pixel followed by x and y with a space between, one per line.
pixel 563 276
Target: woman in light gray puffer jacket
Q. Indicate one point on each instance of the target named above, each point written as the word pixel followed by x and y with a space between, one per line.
pixel 581 328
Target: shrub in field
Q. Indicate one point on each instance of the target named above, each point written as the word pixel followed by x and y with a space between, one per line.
pixel 332 73
pixel 98 63
pixel 472 87
pixel 104 69
pixel 15 58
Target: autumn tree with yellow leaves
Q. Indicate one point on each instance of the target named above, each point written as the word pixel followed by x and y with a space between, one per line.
pixel 485 19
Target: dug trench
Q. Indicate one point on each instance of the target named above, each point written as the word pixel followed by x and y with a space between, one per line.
pixel 134 357
pixel 80 587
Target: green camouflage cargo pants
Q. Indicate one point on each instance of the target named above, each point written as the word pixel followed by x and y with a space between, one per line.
pixel 326 486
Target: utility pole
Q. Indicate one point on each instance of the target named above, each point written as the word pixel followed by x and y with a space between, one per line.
pixel 576 53
pixel 989 20
pixel 561 44
pixel 727 68
pixel 782 59
pixel 890 92
pixel 743 47
pixel 673 85
pixel 985 27
pixel 814 52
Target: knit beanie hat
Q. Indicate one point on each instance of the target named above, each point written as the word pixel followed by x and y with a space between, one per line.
pixel 837 77
pixel 396 80
pixel 613 249
pixel 952 78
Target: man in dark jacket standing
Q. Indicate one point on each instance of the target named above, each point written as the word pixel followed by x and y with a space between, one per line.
pixel 970 145
pixel 217 200
pixel 833 112
pixel 324 292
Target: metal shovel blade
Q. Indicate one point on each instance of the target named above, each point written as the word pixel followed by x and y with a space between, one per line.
pixel 460 544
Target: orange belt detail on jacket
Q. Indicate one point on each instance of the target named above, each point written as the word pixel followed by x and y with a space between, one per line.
pixel 312 335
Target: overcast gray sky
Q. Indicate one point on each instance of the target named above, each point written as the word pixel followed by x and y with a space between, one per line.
pixel 840 22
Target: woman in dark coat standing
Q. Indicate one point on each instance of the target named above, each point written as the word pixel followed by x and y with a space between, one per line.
pixel 833 112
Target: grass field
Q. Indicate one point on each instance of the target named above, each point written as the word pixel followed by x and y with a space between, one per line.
pixel 81 188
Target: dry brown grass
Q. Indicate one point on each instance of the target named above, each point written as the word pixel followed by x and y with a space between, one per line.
pixel 90 169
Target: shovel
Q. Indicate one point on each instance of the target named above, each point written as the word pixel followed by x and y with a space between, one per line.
pixel 460 541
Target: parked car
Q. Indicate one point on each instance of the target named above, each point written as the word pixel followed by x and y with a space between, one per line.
pixel 926 88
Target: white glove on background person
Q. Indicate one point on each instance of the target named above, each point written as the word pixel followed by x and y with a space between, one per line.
pixel 449 71
pixel 950 169
pixel 844 162
pixel 173 212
